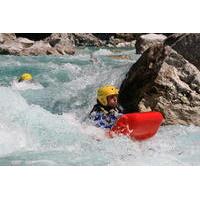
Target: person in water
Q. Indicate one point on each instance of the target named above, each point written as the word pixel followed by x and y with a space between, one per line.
pixel 25 77
pixel 106 111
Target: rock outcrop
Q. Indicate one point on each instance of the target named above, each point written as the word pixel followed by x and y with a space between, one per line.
pixel 162 80
pixel 56 44
pixel 61 43
pixel 85 39
pixel 6 37
pixel 145 41
pixel 188 45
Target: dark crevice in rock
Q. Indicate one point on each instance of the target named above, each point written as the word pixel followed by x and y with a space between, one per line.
pixel 33 36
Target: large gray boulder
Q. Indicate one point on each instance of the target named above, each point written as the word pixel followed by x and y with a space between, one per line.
pixel 162 80
pixel 145 41
pixel 188 45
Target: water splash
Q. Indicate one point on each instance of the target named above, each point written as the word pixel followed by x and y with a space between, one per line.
pixel 45 125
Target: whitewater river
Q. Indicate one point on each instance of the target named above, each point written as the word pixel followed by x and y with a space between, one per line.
pixel 44 123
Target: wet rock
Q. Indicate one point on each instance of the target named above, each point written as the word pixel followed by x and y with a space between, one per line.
pixel 162 80
pixel 145 41
pixel 188 45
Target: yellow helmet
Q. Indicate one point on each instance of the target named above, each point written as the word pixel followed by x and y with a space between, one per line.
pixel 104 92
pixel 25 77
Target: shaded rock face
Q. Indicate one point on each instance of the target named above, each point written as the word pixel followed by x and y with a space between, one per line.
pixel 128 37
pixel 145 41
pixel 104 36
pixel 85 39
pixel 104 39
pixel 33 36
pixel 123 37
pixel 188 45
pixel 172 39
pixel 162 80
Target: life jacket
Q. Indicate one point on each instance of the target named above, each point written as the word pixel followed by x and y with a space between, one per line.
pixel 104 116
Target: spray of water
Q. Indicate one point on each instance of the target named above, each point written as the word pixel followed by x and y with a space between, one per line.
pixel 44 123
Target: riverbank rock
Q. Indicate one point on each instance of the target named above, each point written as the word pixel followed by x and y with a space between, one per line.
pixel 145 41
pixel 126 44
pixel 39 48
pixel 56 44
pixel 7 36
pixel 104 39
pixel 188 45
pixel 128 37
pixel 162 80
pixel 61 43
pixel 85 39
pixel 25 47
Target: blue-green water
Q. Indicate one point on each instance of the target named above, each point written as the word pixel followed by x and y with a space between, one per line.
pixel 43 123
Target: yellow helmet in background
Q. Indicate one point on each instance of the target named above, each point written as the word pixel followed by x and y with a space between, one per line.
pixel 104 92
pixel 25 77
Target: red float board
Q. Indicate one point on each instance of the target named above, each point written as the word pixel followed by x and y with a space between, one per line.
pixel 139 126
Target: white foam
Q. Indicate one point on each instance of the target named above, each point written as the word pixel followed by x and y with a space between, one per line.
pixel 26 85
pixel 12 138
pixel 74 69
pixel 102 52
pixel 66 139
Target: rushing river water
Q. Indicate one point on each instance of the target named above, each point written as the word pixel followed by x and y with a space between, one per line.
pixel 43 123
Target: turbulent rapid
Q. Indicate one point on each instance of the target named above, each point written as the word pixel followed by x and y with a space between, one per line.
pixel 44 123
